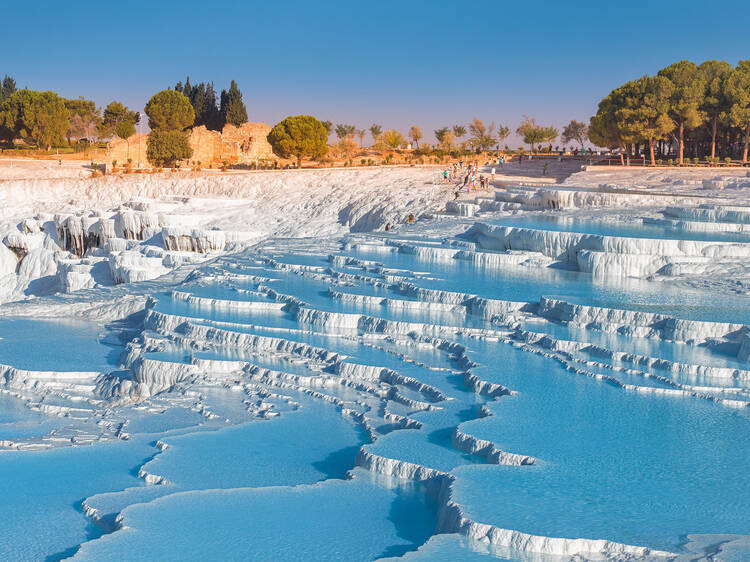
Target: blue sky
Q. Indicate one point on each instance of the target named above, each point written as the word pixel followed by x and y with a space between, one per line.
pixel 428 63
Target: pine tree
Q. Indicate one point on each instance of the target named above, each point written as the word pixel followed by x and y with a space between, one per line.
pixel 233 110
pixel 187 89
pixel 8 87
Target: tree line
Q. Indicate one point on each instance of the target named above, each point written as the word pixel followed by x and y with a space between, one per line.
pixel 230 108
pixel 701 109
pixel 46 119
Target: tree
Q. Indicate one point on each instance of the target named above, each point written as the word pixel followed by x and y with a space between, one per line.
pixel 210 115
pixel 166 147
pixel 688 88
pixel 531 132
pixel 328 126
pixel 361 133
pixel 503 133
pixel 575 131
pixel 12 112
pixel 233 110
pixel 715 104
pixel 446 141
pixel 114 114
pixel 604 127
pixel 344 131
pixel 84 116
pixel 38 117
pixel 549 134
pixel 125 129
pixel 440 134
pixel 482 138
pixel 737 88
pixel 301 136
pixel 169 110
pixel 645 112
pixel 375 131
pixel 8 87
pixel 459 131
pixel 394 139
pixel 415 134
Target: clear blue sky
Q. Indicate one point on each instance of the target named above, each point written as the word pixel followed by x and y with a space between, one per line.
pixel 430 63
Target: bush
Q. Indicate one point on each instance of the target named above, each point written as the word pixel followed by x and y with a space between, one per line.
pixel 728 160
pixel 165 148
pixel 670 162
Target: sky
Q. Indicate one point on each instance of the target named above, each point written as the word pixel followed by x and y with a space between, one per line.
pixel 395 63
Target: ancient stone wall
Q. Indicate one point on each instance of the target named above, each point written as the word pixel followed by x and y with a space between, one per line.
pixel 133 148
pixel 245 144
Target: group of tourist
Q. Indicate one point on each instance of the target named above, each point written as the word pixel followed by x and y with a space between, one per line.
pixel 473 180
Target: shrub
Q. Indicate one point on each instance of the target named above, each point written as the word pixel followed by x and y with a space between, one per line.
pixel 728 160
pixel 164 148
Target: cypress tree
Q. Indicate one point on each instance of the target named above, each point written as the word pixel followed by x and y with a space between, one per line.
pixel 211 110
pixel 198 99
pixel 8 87
pixel 233 109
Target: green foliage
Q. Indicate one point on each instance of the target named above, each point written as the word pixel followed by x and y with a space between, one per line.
pixel 166 147
pixel 737 89
pixel 376 131
pixel 503 133
pixel 393 139
pixel 532 133
pixel 344 131
pixel 169 110
pixel 482 137
pixel 441 133
pixel 549 134
pixel 202 97
pixel 233 111
pixel 301 136
pixel 125 129
pixel 644 115
pixel 7 88
pixel 415 134
pixel 459 131
pixel 684 102
pixel 328 126
pixel 575 131
pixel 37 117
pixel 113 118
pixel 688 90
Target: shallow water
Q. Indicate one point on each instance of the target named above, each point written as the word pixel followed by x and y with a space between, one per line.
pixel 341 424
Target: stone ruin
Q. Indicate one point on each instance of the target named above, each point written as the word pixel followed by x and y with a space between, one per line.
pixel 245 144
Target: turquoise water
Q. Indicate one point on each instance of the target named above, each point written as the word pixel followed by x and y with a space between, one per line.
pixel 56 344
pixel 333 439
pixel 635 229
